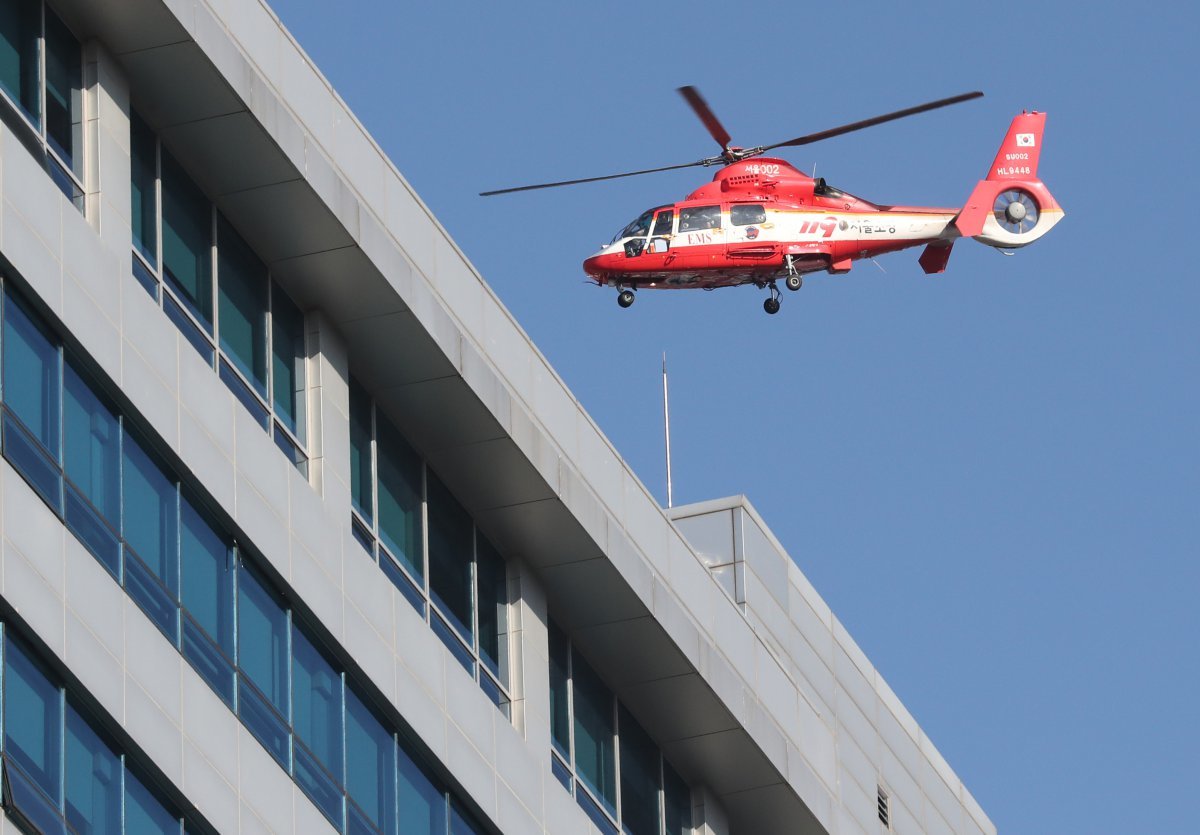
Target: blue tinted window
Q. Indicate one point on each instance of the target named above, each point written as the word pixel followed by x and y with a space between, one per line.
pixel 287 360
pixel 93 775
pixel 144 814
pixel 263 639
pixel 678 799
pixel 187 240
pixel 207 591
pixel 451 550
pixel 422 803
pixel 242 292
pixel 360 450
pixel 151 524
pixel 144 173
pixel 595 760
pixel 560 715
pixel 460 823
pixel 33 720
pixel 639 778
pixel 64 92
pixel 20 26
pixel 91 446
pixel 370 764
pixel 31 374
pixel 492 581
pixel 317 703
pixel 399 496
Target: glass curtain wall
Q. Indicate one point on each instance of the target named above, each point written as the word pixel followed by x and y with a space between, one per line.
pixel 41 87
pixel 59 769
pixel 601 754
pixel 218 292
pixel 429 546
pixel 208 595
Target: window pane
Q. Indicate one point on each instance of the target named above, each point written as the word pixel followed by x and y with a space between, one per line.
pixel 151 524
pixel 493 607
pixel 91 446
pixel 31 374
pixel 266 724
pixel 678 802
pixel 370 764
pixel 262 639
pixel 144 814
pixel 242 292
pixel 699 217
pixel 460 823
pixel 187 239
pixel 287 349
pixel 639 778
pixel 144 214
pixel 560 717
pixel 207 592
pixel 64 92
pixel 451 542
pixel 93 779
pixel 360 449
pixel 594 732
pixel 422 804
pixel 20 26
pixel 317 783
pixel 399 497
pixel 743 214
pixel 317 708
pixel 32 720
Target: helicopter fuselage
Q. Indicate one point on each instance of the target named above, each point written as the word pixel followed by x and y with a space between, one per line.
pixel 757 221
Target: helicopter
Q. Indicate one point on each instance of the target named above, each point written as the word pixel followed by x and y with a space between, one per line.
pixel 760 220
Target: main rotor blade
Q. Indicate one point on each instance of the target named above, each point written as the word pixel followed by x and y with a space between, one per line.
pixel 877 120
pixel 692 96
pixel 593 179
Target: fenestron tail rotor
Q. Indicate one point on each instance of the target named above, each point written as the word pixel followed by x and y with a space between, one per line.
pixel 731 154
pixel 1016 211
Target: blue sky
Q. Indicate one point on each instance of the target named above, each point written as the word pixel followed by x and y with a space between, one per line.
pixel 992 476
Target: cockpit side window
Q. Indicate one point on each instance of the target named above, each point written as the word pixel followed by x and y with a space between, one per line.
pixel 699 217
pixel 664 222
pixel 638 228
pixel 747 213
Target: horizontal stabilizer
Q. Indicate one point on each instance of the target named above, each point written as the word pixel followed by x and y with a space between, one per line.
pixel 934 258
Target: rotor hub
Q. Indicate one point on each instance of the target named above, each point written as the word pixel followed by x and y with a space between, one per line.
pixel 1015 212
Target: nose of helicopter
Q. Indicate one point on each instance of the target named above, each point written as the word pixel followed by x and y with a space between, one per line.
pixel 598 266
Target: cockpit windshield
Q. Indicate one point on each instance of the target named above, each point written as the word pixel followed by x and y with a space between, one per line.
pixel 639 228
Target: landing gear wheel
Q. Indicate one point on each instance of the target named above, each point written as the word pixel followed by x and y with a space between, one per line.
pixel 793 282
pixel 625 298
pixel 771 305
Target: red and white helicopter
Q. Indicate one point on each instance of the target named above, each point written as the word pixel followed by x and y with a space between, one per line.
pixel 761 220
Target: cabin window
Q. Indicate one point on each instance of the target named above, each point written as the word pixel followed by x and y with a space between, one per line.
pixel 699 217
pixel 746 214
pixel 664 222
pixel 638 228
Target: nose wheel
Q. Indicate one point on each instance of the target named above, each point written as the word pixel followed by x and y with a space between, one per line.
pixel 625 298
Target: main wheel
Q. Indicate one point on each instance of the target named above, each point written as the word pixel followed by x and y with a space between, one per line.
pixel 771 306
pixel 793 282
pixel 625 298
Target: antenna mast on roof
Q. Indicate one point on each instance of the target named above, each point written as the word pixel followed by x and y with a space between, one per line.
pixel 667 428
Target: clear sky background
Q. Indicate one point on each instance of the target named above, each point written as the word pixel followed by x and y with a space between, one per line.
pixel 992 476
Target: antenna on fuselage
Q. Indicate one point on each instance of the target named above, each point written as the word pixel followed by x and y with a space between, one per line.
pixel 667 428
